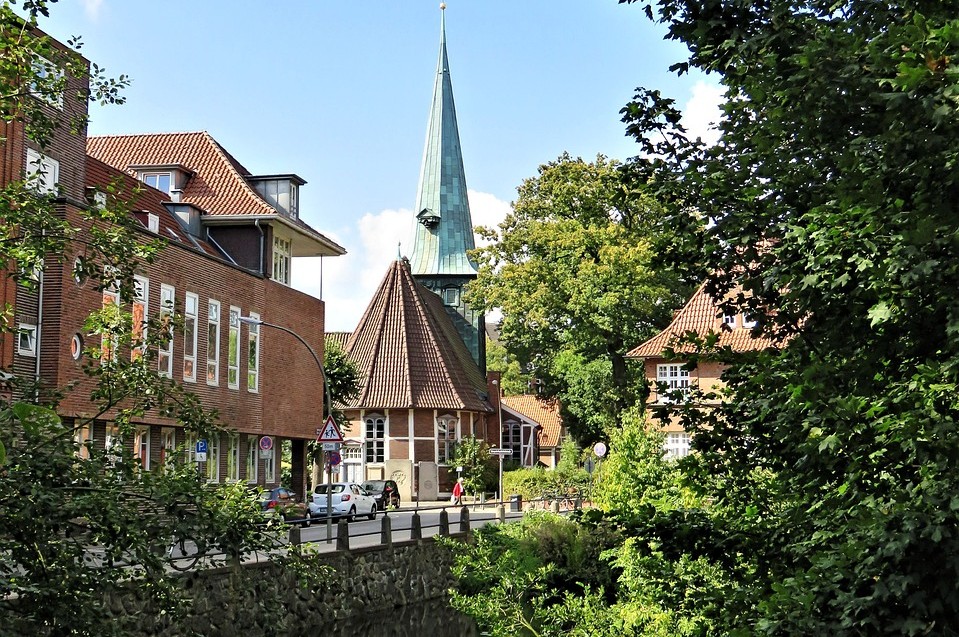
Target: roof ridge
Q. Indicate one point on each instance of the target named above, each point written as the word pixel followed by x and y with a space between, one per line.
pixel 197 132
pixel 232 163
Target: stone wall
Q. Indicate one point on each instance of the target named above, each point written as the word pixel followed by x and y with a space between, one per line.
pixel 262 599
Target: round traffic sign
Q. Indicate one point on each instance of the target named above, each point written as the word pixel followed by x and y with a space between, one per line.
pixel 599 449
pixel 266 443
pixel 334 458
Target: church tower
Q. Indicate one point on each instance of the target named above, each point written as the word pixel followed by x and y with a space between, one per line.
pixel 443 228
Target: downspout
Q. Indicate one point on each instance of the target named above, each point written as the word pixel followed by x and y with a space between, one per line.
pixel 256 222
pixel 36 371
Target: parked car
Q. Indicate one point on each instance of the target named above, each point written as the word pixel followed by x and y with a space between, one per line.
pixel 283 501
pixel 349 500
pixel 385 492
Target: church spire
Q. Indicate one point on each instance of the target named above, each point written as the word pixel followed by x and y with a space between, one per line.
pixel 444 229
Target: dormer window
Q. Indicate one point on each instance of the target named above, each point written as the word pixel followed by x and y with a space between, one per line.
pixel 280 191
pixel 160 181
pixel 451 296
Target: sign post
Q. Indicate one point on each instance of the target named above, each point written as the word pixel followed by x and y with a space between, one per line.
pixel 330 434
pixel 501 453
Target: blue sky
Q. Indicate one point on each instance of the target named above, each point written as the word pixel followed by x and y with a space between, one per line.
pixel 339 92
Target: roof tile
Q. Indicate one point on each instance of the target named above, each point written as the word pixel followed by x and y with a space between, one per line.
pixel 543 412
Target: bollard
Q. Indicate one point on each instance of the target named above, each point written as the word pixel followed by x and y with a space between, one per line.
pixel 342 536
pixel 501 513
pixel 578 503
pixel 416 530
pixel 295 534
pixel 386 534
pixel 444 522
pixel 555 505
pixel 465 520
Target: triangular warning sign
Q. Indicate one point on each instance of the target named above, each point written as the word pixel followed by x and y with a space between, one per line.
pixel 330 432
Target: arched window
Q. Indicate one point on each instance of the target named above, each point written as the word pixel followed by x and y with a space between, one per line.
pixel 446 437
pixel 375 437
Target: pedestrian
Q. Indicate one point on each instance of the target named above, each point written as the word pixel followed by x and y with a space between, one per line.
pixel 458 491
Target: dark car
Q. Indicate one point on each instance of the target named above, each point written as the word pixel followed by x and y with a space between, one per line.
pixel 385 492
pixel 283 501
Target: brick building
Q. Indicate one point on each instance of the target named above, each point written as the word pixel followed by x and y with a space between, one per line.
pixel 231 238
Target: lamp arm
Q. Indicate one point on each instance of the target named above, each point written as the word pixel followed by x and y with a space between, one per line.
pixel 319 364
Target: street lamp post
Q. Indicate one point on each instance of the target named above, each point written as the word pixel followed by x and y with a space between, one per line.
pixel 328 406
pixel 499 406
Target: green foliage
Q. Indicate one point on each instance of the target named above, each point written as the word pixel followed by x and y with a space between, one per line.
pixel 478 467
pixel 534 483
pixel 343 377
pixel 570 268
pixel 831 199
pixel 498 359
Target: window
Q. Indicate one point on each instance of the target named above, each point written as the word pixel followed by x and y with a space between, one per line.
pixel 375 439
pixel 446 437
pixel 451 296
pixel 676 445
pixel 213 344
pixel 213 459
pixel 141 446
pixel 167 445
pixel 252 446
pixel 153 223
pixel 189 449
pixel 748 322
pixel 233 459
pixel 112 444
pixel 189 337
pixel 730 320
pixel 141 290
pixel 672 378
pixel 43 173
pixel 351 453
pixel 160 181
pixel 165 350
pixel 281 260
pixel 233 355
pixel 253 357
pixel 513 440
pixel 269 466
pixel 27 340
pixel 48 83
pixel 108 342
pixel 84 438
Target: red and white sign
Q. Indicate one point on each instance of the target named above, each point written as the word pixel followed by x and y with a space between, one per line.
pixel 330 432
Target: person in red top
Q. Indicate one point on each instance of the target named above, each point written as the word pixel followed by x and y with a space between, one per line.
pixel 458 491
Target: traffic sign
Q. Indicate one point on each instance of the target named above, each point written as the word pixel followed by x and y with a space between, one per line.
pixel 201 451
pixel 331 446
pixel 266 443
pixel 334 458
pixel 501 452
pixel 330 432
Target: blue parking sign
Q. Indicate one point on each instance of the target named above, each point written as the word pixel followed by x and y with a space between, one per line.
pixel 201 446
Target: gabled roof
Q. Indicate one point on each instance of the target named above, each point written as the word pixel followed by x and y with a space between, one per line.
pixel 144 201
pixel 444 229
pixel 702 316
pixel 219 185
pixel 409 354
pixel 340 338
pixel 544 413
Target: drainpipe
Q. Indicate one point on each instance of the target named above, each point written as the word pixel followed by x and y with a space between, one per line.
pixel 256 222
pixel 36 371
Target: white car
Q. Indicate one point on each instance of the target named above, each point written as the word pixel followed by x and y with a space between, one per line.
pixel 349 500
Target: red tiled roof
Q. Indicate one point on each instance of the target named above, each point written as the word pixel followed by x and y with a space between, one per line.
pixel 219 184
pixel 144 200
pixel 409 353
pixel 543 412
pixel 340 338
pixel 702 316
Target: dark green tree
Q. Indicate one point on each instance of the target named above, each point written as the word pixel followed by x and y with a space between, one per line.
pixel 831 203
pixel 570 269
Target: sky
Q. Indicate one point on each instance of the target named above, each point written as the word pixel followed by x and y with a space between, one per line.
pixel 339 93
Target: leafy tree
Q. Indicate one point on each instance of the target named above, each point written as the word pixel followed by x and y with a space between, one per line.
pixel 478 469
pixel 76 531
pixel 342 376
pixel 498 359
pixel 831 198
pixel 570 268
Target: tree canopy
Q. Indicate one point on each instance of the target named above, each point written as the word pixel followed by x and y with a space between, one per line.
pixel 570 269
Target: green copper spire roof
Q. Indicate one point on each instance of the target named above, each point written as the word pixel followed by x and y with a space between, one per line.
pixel 444 230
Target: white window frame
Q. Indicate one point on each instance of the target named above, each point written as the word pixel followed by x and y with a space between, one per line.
pixel 282 259
pixel 269 466
pixel 42 68
pixel 108 343
pixel 153 223
pixel 252 458
pixel 42 172
pixel 730 320
pixel 189 448
pixel 191 308
pixel 233 350
pixel 446 438
pixel 165 350
pixel 84 438
pixel 141 286
pixel 112 441
pixel 233 459
pixel 374 424
pixel 155 175
pixel 213 459
pixel 253 356
pixel 675 377
pixel 213 342
pixel 27 340
pixel 141 446
pixel 513 440
pixel 748 323
pixel 167 445
pixel 676 444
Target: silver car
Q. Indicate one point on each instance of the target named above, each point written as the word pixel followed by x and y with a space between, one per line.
pixel 349 500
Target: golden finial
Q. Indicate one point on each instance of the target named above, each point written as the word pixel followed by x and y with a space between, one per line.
pixel 442 6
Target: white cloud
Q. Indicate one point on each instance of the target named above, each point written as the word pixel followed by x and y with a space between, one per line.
pixel 702 112
pixel 92 8
pixel 349 282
